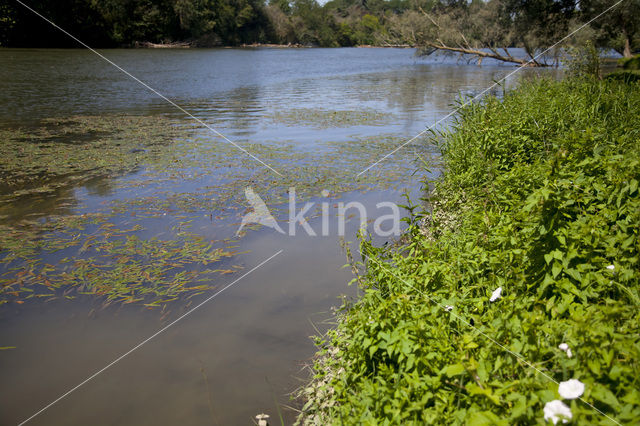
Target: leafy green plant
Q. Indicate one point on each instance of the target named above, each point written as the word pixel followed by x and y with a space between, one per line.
pixel 525 273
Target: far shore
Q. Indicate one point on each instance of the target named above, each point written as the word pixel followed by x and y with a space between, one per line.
pixel 190 45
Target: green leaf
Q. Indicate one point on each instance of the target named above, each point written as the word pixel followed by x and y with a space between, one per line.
pixel 372 350
pixel 474 389
pixel 548 257
pixel 594 365
pixel 484 418
pixel 453 370
pixel 603 394
pixel 520 407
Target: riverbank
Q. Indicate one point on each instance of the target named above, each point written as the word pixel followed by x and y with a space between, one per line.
pixel 196 44
pixel 530 243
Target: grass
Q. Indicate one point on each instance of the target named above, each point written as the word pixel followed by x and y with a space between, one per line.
pixel 540 197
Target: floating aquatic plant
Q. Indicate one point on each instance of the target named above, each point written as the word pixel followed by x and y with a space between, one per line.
pixel 162 170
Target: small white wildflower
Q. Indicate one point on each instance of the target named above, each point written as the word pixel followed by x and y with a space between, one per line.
pixel 557 410
pixel 569 353
pixel 611 267
pixel 496 294
pixel 448 308
pixel 563 347
pixel 571 389
pixel 262 419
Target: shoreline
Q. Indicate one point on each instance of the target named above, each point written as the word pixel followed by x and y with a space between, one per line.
pixel 191 45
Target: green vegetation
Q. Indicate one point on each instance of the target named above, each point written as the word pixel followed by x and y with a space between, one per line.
pixel 109 262
pixel 632 63
pixel 630 71
pixel 619 28
pixel 78 148
pixel 540 197
pixel 54 154
pixel 325 119
pixel 171 175
pixel 452 25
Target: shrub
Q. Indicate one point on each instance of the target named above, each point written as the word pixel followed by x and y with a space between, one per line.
pixel 583 61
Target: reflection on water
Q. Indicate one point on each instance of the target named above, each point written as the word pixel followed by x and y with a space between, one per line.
pixel 319 115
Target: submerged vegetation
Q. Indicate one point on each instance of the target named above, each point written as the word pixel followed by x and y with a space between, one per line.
pixel 522 273
pixel 80 148
pixel 112 263
pixel 324 119
pixel 168 231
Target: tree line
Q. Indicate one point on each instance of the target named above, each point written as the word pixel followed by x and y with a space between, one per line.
pixel 464 26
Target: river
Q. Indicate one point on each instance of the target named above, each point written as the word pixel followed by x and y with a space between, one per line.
pixel 109 190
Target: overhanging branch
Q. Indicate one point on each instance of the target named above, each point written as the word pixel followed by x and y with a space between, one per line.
pixel 480 54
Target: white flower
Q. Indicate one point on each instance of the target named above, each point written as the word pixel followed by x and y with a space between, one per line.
pixel 448 308
pixel 611 267
pixel 496 294
pixel 262 419
pixel 557 410
pixel 565 347
pixel 571 389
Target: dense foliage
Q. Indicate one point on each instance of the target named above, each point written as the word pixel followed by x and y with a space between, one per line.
pixel 123 22
pixel 531 24
pixel 619 28
pixel 540 197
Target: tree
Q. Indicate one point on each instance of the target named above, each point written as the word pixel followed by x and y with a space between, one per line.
pixel 619 28
pixel 488 29
pixel 539 24
pixel 481 30
pixel 313 24
pixel 476 28
pixel 280 22
pixel 26 29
